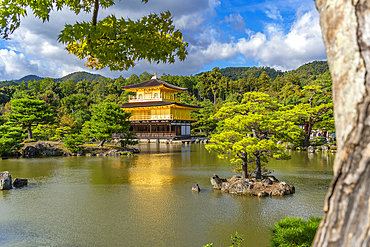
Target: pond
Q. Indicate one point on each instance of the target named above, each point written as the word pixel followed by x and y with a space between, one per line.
pixel 146 199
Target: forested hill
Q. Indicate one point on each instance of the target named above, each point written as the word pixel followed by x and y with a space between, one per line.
pixel 236 73
pixel 76 76
pixel 309 71
pixel 80 76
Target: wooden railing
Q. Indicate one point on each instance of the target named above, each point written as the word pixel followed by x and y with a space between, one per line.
pixel 155 134
pixel 146 99
pixel 160 117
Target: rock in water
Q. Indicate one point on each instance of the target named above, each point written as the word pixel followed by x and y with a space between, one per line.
pixel 5 181
pixel 217 182
pixel 195 188
pixel 20 182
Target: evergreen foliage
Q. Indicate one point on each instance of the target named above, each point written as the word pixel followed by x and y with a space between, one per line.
pixel 250 131
pixel 10 139
pixel 28 113
pixel 73 143
pixel 294 232
pixel 107 118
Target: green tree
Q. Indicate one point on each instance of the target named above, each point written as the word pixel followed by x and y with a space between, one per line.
pixel 28 113
pixel 212 83
pixel 128 138
pixel 251 130
pixel 107 118
pixel 10 138
pixel 73 142
pixel 316 110
pixel 112 42
pixel 204 123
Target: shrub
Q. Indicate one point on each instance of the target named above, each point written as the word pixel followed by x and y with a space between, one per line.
pixel 73 143
pixel 294 232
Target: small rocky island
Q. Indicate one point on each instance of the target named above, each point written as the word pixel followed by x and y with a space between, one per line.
pixel 6 182
pixel 267 186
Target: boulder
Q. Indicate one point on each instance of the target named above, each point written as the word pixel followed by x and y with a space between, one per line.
pixel 225 186
pixel 262 194
pixel 240 187
pixel 311 149
pixel 5 181
pixel 30 151
pixel 20 182
pixel 42 146
pixel 195 188
pixel 266 182
pixel 217 182
pixel 325 148
pixel 53 151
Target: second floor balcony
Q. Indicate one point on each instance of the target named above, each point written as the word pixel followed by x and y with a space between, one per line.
pixel 133 99
pixel 161 117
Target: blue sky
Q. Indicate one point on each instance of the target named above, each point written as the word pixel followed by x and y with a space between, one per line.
pixel 221 33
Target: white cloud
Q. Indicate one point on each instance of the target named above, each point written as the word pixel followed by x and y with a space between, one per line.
pixel 236 20
pixel 273 12
pixel 35 50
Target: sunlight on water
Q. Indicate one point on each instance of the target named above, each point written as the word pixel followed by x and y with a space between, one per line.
pixel 145 200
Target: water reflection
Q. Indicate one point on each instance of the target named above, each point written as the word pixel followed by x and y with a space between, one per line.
pixel 145 200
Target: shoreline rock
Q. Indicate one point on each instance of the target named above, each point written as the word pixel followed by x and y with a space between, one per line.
pixel 267 186
pixel 5 181
pixel 7 184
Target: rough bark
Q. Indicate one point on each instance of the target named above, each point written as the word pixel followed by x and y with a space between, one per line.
pixel 29 132
pixel 101 143
pixel 346 29
pixel 258 168
pixel 245 167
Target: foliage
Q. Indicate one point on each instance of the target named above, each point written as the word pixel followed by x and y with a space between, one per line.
pixel 212 82
pixel 128 138
pixel 294 232
pixel 236 240
pixel 107 118
pixel 73 143
pixel 44 132
pixel 10 138
pixel 204 123
pixel 29 113
pixel 250 131
pixel 111 42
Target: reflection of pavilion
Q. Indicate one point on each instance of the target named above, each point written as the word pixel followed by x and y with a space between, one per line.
pixel 152 170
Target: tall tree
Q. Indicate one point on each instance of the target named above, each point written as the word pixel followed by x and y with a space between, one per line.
pixel 212 82
pixel 317 105
pixel 107 118
pixel 112 42
pixel 345 28
pixel 250 131
pixel 29 113
pixel 10 138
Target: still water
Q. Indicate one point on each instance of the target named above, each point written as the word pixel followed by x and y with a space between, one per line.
pixel 146 200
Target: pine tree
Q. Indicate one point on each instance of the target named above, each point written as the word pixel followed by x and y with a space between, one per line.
pixel 28 113
pixel 250 131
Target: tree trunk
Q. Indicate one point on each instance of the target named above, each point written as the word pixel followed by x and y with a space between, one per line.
pixel 244 167
pixel 308 133
pixel 258 168
pixel 101 143
pixel 345 27
pixel 29 132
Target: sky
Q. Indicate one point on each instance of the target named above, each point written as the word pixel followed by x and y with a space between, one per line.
pixel 281 34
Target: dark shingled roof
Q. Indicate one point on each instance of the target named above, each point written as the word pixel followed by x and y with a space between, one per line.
pixel 153 83
pixel 155 103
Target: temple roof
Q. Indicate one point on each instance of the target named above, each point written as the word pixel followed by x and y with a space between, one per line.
pixel 154 82
pixel 156 103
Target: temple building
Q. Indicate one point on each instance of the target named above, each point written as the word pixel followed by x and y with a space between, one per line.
pixel 156 112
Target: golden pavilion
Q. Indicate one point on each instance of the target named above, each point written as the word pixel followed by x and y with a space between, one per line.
pixel 156 111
